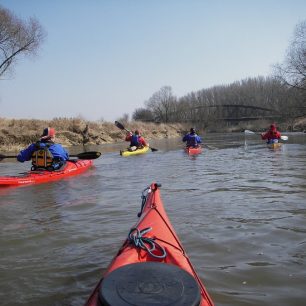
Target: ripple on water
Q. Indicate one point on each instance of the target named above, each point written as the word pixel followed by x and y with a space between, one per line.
pixel 239 211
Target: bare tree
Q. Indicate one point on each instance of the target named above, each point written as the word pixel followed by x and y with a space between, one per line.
pixel 293 70
pixel 162 103
pixel 17 38
pixel 143 114
pixel 251 98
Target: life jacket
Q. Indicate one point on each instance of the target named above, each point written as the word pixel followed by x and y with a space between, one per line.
pixel 192 142
pixel 272 140
pixel 42 158
pixel 135 141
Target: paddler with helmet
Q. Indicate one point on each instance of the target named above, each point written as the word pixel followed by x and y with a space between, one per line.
pixel 272 135
pixel 45 153
pixel 136 140
pixel 192 139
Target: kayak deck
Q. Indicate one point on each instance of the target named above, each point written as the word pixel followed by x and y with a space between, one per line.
pixel 42 176
pixel 136 152
pixel 161 256
pixel 274 146
pixel 193 150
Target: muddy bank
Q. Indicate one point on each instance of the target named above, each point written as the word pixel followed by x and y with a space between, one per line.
pixel 17 134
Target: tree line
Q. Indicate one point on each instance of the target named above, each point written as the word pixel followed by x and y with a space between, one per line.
pixel 281 96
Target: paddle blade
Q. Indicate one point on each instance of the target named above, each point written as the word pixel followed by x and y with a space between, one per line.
pixel 119 125
pixel 153 149
pixel 248 132
pixel 284 137
pixel 87 155
pixel 5 156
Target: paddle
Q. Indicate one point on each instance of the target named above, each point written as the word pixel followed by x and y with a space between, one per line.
pixel 208 147
pixel 83 155
pixel 121 127
pixel 283 137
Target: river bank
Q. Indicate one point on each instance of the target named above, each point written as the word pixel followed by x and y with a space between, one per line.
pixel 16 134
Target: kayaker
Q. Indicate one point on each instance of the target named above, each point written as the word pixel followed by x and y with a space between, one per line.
pixel 192 139
pixel 136 140
pixel 45 153
pixel 272 135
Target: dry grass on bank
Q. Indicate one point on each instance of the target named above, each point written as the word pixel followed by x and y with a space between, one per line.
pixel 15 134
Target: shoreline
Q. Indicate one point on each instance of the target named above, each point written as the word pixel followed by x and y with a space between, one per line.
pixel 17 134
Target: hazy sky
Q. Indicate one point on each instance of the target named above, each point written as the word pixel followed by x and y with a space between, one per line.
pixel 104 58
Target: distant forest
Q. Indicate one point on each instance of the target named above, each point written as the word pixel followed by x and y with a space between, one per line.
pixel 281 96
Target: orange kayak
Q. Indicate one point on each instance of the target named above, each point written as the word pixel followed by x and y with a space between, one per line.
pixel 151 267
pixel 43 176
pixel 193 150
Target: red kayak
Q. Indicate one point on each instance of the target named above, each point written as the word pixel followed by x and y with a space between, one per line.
pixel 42 176
pixel 193 150
pixel 151 267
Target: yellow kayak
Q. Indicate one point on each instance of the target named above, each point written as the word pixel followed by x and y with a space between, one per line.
pixel 127 152
pixel 274 146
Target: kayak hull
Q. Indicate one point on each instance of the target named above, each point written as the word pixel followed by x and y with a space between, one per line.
pixel 43 176
pixel 193 150
pixel 136 152
pixel 274 146
pixel 153 217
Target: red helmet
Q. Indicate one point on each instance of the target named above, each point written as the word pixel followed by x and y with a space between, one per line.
pixel 273 127
pixel 48 133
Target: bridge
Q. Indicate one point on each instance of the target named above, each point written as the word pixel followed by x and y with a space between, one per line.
pixel 241 112
pixel 232 113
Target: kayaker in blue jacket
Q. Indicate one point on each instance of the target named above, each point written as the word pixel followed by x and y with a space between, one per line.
pixel 192 139
pixel 45 153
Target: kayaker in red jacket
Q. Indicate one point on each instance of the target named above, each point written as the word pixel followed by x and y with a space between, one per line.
pixel 136 140
pixel 272 135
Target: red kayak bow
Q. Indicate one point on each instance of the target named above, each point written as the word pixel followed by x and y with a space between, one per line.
pixel 151 267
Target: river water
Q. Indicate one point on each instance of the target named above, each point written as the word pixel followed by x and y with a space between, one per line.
pixel 239 209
